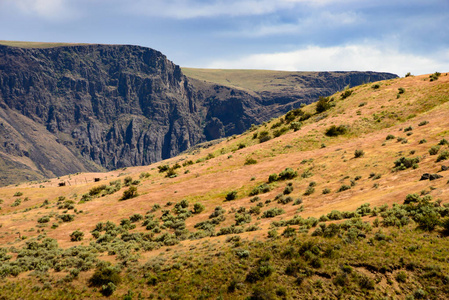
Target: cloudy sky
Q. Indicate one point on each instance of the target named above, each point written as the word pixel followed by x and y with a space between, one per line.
pixel 395 36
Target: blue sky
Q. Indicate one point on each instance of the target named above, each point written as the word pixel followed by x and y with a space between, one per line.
pixel 395 36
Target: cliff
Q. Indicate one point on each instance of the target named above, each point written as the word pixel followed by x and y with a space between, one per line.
pixel 96 107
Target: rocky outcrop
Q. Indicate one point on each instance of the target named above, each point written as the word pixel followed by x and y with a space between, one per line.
pixel 97 107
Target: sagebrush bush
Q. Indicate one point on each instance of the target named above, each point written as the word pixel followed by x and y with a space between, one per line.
pixel 359 153
pixel 129 193
pixel 336 130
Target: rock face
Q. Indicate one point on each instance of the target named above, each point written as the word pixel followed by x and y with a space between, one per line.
pixel 97 107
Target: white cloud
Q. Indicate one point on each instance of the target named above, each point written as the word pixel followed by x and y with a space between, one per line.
pixel 324 20
pixel 53 10
pixel 341 58
pixel 187 9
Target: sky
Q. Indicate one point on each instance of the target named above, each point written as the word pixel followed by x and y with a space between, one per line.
pixel 396 36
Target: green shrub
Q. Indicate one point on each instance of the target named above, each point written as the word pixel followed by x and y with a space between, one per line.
pixel 288 173
pixel 401 276
pixel 409 128
pixel 443 142
pixel 323 104
pixel 198 208
pixel 273 212
pixel 129 193
pixel 434 150
pixel 250 161
pixel 405 163
pixel 44 219
pixel 375 86
pixel 76 236
pixel 96 190
pixel 443 155
pixel 390 137
pixel 231 196
pixel 135 217
pixel 336 130
pixel 401 90
pixel 344 187
pixel 18 194
pixel 264 136
pixel 273 177
pixel 309 191
pixel 295 126
pixel 16 202
pixel 346 94
pixel 128 180
pixel 423 123
pixel 263 188
pixel 326 191
pixel 359 153
pixel 434 76
pixel 67 218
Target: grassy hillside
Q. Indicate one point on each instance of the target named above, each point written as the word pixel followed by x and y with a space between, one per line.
pixel 325 202
pixel 252 80
pixel 21 44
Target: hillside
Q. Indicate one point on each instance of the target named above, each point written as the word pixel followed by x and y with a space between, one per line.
pixel 328 201
pixel 67 108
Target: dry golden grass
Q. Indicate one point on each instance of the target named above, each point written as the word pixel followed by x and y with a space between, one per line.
pixel 209 181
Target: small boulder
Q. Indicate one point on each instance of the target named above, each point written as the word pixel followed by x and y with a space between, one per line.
pixel 425 176
pixel 434 176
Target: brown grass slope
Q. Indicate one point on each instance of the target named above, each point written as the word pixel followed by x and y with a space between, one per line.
pixel 414 110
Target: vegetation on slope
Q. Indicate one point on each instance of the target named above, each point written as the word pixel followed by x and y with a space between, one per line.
pixel 362 213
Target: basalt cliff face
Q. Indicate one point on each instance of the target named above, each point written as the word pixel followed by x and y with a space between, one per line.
pixel 97 107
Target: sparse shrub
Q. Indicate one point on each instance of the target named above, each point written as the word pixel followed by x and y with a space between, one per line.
pixel 129 193
pixel 18 194
pixel 273 212
pixel 44 219
pixel 250 161
pixel 423 141
pixel 67 218
pixel 231 196
pixel 401 90
pixel 295 126
pixel 288 190
pixel 409 128
pixel 401 276
pixel 135 217
pixel 264 136
pixel 309 191
pixel 405 163
pixel 198 208
pixel 434 150
pixel 298 201
pixel 423 123
pixel 336 130
pixel 96 190
pixel 390 137
pixel 326 191
pixel 323 104
pixel 163 168
pixel 443 155
pixel 434 76
pixel 76 236
pixel 359 153
pixel 128 180
pixel 375 86
pixel 443 142
pixel 344 187
pixel 273 177
pixel 263 188
pixel 346 94
pixel 288 173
